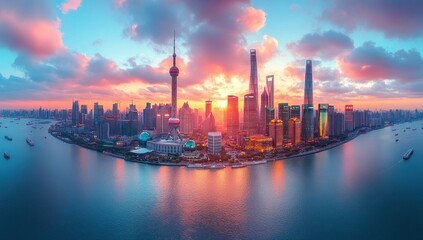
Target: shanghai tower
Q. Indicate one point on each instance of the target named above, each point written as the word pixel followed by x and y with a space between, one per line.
pixel 308 110
pixel 251 111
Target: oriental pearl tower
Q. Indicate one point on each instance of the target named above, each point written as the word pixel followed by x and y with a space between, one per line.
pixel 174 122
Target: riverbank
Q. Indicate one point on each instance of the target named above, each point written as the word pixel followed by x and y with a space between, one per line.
pixel 133 158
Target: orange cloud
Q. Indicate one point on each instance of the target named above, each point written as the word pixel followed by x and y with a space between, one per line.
pixel 252 19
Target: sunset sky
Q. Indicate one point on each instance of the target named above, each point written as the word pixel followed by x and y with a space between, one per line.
pixel 366 53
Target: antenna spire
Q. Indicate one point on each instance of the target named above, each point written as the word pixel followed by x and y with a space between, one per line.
pixel 174 54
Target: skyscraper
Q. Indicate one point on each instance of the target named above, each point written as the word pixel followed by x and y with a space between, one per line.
pixel 232 116
pixel 173 120
pixel 295 111
pixel 307 130
pixel 253 73
pixel 115 110
pixel 75 113
pixel 349 118
pixel 187 117
pixel 270 85
pixel 208 108
pixel 148 117
pixel 323 121
pixel 283 114
pixel 276 132
pixel 270 115
pixel 294 131
pixel 308 89
pixel 331 114
pixel 263 104
pixel 250 114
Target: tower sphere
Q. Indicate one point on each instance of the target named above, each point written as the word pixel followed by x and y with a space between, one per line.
pixel 174 71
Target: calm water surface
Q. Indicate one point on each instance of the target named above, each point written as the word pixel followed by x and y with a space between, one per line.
pixel 362 189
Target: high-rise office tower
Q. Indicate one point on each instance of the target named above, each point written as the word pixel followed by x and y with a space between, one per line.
pixel 270 85
pixel 308 109
pixel 263 104
pixel 339 124
pixel 284 115
pixel 253 73
pixel 276 132
pixel 294 131
pixel 270 115
pixel 84 113
pixel 331 114
pixel 349 118
pixel 133 120
pixel 250 114
pixel 115 110
pixel 187 117
pixel 96 113
pixel 173 120
pixel 75 113
pixel 162 119
pixel 148 117
pixel 208 108
pixel 295 111
pixel 232 116
pixel 323 121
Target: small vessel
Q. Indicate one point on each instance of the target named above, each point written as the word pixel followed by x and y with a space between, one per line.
pixel 114 154
pixel 408 154
pixel 8 138
pixel 239 165
pixel 217 166
pixel 6 156
pixel 198 165
pixel 30 143
pixel 396 140
pixel 396 134
pixel 258 162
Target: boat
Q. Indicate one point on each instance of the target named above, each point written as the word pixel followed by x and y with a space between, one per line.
pixel 408 154
pixel 239 165
pixel 30 143
pixel 6 156
pixel 114 154
pixel 8 138
pixel 396 140
pixel 257 162
pixel 396 134
pixel 217 166
pixel 198 165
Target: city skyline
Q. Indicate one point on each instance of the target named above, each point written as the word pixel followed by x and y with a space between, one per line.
pixel 361 62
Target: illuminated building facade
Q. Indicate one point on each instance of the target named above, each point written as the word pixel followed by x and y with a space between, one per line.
pixel 263 104
pixel 250 114
pixel 323 121
pixel 259 143
pixel 294 131
pixel 232 116
pixel 349 118
pixel 276 132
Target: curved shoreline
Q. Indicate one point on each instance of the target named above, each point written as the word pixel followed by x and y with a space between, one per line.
pixel 247 163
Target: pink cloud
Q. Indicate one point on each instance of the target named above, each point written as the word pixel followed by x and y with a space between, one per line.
pixel 37 36
pixel 370 62
pixel 70 5
pixel 252 19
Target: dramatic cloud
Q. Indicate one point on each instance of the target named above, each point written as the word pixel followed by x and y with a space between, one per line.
pixel 252 19
pixel 368 63
pixel 211 31
pixel 70 5
pixel 324 45
pixel 29 27
pixel 395 18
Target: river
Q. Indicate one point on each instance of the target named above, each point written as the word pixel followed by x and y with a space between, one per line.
pixel 361 189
